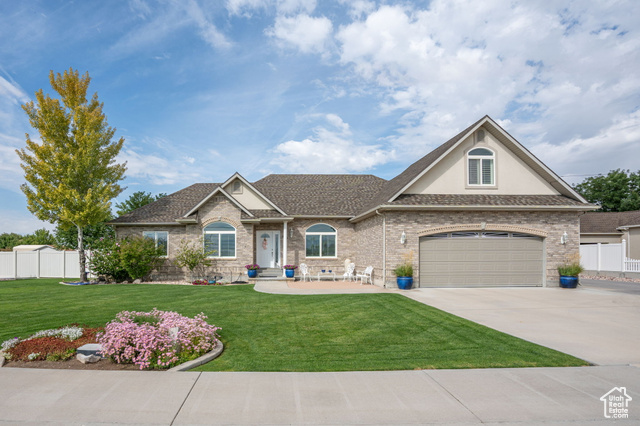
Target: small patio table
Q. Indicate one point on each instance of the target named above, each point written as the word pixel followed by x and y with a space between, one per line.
pixel 330 274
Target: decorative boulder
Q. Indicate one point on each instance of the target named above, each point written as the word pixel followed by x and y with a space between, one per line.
pixel 87 359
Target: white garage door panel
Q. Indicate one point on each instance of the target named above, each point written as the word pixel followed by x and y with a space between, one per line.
pixel 481 262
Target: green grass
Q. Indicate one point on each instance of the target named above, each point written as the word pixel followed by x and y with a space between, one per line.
pixel 265 332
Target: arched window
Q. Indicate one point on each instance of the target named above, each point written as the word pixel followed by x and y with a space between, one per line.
pixel 321 241
pixel 220 237
pixel 481 167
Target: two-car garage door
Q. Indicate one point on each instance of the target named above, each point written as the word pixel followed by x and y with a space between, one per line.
pixel 481 259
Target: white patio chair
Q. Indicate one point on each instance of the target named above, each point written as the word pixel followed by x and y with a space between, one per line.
pixel 304 270
pixel 366 275
pixel 348 272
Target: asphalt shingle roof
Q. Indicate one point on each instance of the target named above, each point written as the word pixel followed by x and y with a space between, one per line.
pixel 171 207
pixel 310 195
pixel 607 222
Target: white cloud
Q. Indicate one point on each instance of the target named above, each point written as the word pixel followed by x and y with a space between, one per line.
pixel 556 71
pixel 21 223
pixel 246 7
pixel 164 20
pixel 329 150
pixel 620 137
pixel 158 170
pixel 208 30
pixel 307 33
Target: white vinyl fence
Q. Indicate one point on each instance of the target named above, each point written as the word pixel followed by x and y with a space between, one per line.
pixel 607 257
pixel 40 264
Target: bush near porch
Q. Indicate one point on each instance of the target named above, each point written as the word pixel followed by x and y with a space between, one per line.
pixel 264 332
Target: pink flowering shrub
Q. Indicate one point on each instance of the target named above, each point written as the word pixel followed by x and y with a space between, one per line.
pixel 145 338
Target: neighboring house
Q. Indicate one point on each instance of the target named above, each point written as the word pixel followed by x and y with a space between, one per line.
pixel 33 247
pixel 479 210
pixel 612 228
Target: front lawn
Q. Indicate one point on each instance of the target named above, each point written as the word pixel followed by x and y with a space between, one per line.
pixel 264 332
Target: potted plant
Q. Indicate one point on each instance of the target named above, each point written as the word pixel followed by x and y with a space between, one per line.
pixel 290 270
pixel 569 272
pixel 404 276
pixel 252 270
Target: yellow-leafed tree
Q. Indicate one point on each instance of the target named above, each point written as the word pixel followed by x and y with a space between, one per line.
pixel 72 175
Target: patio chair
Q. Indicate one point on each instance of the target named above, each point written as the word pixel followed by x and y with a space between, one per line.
pixel 366 275
pixel 304 270
pixel 348 272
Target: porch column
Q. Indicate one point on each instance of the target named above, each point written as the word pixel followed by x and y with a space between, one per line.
pixel 284 247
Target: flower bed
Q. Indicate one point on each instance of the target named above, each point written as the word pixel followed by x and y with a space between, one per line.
pixel 157 339
pixel 49 345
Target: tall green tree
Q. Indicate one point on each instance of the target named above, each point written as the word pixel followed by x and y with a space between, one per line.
pixel 39 237
pixel 9 240
pixel 618 191
pixel 72 176
pixel 137 200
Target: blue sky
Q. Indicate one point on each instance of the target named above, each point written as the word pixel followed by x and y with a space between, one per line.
pixel 201 89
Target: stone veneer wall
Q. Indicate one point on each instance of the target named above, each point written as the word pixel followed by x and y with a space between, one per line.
pixel 220 208
pixel 369 242
pixel 551 224
pixel 346 245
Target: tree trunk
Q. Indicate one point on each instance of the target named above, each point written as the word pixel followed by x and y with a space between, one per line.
pixel 81 257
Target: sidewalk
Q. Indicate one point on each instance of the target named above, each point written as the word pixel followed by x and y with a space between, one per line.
pixel 462 397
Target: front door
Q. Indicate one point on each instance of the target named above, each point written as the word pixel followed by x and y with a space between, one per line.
pixel 268 249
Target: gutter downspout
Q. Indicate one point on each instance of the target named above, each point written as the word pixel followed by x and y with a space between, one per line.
pixel 384 249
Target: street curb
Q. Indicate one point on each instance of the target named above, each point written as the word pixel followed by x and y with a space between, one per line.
pixel 200 360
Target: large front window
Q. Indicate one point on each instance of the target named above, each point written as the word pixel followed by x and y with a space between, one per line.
pixel 321 241
pixel 220 239
pixel 161 239
pixel 481 167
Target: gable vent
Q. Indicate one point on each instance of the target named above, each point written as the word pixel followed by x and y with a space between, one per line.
pixel 480 135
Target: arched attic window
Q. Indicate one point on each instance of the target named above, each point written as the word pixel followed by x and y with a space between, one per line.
pixel 321 241
pixel 481 167
pixel 220 237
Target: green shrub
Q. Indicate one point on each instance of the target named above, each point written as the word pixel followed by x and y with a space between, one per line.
pixel 191 255
pixel 570 269
pixel 105 260
pixel 404 270
pixel 139 256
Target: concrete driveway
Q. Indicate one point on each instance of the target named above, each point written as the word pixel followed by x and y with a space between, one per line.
pixel 599 326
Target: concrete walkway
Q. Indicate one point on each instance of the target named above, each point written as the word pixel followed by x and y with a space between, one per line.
pixel 461 397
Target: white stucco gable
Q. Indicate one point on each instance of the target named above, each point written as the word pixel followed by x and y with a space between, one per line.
pixel 512 174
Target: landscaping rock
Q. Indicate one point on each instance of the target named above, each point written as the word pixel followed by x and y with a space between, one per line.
pixel 89 349
pixel 87 359
pixel 137 281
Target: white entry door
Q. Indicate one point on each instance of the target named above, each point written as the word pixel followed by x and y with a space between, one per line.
pixel 268 249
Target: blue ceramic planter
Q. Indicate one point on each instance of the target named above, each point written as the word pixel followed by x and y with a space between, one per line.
pixel 252 273
pixel 568 282
pixel 289 272
pixel 404 283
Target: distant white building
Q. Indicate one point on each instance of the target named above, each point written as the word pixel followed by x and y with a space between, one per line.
pixel 34 247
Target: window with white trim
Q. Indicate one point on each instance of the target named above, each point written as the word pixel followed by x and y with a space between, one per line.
pixel 481 167
pixel 220 238
pixel 161 239
pixel 321 241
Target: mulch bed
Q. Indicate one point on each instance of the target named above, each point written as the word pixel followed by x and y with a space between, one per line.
pixel 49 345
